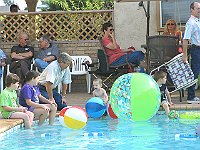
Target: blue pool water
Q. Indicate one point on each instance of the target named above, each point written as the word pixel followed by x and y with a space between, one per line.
pixel 106 134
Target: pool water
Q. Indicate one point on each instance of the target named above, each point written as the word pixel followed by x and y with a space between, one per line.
pixel 106 134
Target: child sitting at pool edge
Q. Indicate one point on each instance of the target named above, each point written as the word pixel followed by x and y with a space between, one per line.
pixel 161 78
pixel 99 91
pixel 30 96
pixel 8 102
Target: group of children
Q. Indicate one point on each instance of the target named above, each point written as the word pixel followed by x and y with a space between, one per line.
pixel 29 104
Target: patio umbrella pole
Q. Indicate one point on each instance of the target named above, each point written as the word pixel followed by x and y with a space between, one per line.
pixel 148 16
pixel 147 13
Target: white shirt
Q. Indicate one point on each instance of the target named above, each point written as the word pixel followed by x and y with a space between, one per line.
pixel 192 30
pixel 55 75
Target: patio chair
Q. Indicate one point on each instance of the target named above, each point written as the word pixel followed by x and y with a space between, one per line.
pixel 79 69
pixel 160 49
pixel 104 70
pixel 127 64
pixel 2 80
pixel 180 73
pixel 5 72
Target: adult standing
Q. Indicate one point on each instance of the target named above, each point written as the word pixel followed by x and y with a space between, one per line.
pixel 21 56
pixel 192 34
pixel 55 73
pixel 47 53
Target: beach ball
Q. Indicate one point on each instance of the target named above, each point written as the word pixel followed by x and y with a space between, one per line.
pixel 73 117
pixel 135 97
pixel 110 112
pixel 95 107
pixel 173 114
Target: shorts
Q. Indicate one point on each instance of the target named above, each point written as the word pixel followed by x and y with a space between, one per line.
pixel 31 109
pixel 165 101
pixel 7 115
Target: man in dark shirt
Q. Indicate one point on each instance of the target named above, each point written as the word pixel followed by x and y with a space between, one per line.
pixel 21 57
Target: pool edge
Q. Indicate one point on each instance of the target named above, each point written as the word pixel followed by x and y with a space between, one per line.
pixel 9 124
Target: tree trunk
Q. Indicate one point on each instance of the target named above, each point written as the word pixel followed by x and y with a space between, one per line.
pixel 31 4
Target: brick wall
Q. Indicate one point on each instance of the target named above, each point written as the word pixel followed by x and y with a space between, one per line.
pixel 73 48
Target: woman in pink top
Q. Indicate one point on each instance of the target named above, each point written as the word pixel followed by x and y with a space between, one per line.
pixel 172 29
pixel 117 56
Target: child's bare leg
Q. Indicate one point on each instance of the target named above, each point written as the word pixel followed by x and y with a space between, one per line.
pixel 52 113
pixel 166 107
pixel 24 116
pixel 41 114
pixel 31 116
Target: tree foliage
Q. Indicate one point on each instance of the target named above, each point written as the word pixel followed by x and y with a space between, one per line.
pixel 79 4
pixel 8 2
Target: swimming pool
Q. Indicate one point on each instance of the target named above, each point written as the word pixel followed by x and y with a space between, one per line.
pixel 106 134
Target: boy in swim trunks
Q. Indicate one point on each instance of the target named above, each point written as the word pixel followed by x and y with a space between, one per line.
pixel 161 78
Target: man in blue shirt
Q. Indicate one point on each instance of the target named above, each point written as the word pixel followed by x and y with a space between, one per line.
pixel 47 53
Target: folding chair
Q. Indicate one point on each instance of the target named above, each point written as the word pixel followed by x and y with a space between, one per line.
pixel 127 64
pixel 110 73
pixel 160 49
pixel 180 73
pixel 2 80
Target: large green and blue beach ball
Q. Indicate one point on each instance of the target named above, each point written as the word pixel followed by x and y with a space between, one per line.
pixel 135 96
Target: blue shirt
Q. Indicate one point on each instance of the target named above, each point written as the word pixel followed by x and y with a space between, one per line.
pixel 29 92
pixel 2 56
pixel 52 50
pixel 192 30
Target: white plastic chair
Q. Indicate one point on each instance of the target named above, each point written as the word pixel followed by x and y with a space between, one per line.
pixel 79 69
pixel 2 79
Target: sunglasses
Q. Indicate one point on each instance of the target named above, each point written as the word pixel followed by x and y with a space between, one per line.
pixel 26 39
pixel 111 29
pixel 172 24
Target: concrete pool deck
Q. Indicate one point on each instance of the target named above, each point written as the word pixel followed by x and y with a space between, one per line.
pixel 80 99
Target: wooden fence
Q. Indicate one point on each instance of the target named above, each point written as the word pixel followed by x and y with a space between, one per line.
pixel 60 25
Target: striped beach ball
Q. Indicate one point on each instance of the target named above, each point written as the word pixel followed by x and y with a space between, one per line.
pixel 110 112
pixel 95 107
pixel 73 117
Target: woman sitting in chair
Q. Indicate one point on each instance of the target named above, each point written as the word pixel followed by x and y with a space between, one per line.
pixel 172 29
pixel 117 56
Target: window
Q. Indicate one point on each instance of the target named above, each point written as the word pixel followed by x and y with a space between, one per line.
pixel 178 10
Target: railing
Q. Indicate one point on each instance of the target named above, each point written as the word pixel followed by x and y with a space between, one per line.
pixel 60 25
